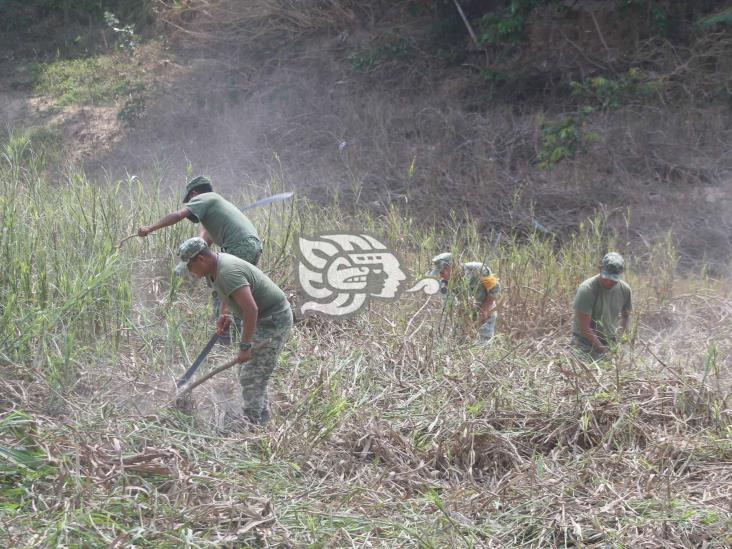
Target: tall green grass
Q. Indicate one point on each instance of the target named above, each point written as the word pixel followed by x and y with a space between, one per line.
pixel 60 280
pixel 385 431
pixel 66 288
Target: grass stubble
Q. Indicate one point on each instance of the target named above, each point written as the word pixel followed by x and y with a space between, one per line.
pixel 384 433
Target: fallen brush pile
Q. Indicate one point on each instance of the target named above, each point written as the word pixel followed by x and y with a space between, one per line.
pixel 385 431
pixel 478 447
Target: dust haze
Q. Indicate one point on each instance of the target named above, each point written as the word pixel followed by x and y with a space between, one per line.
pixel 357 102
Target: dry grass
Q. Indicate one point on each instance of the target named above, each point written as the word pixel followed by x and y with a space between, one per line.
pixel 226 23
pixel 384 439
pixel 384 433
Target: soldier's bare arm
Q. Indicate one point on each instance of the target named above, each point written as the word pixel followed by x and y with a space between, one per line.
pixel 167 221
pixel 223 321
pixel 486 308
pixel 245 300
pixel 584 321
pixel 624 319
pixel 203 233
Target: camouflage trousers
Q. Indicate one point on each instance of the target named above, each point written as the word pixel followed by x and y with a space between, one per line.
pixel 254 375
pixel 249 249
pixel 488 329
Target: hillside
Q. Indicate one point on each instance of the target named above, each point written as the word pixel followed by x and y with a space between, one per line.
pixel 593 106
pixel 563 130
pixel 565 109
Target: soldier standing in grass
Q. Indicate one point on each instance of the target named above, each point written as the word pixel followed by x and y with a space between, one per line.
pixel 486 288
pixel 222 223
pixel 481 286
pixel 255 299
pixel 601 301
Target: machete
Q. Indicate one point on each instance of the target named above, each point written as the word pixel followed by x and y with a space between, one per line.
pixel 268 200
pixel 184 391
pixel 199 359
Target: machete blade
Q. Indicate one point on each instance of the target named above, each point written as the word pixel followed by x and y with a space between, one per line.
pixel 199 359
pixel 268 200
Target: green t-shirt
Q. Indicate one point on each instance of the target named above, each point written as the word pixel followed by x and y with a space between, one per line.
pixel 603 306
pixel 223 221
pixel 232 273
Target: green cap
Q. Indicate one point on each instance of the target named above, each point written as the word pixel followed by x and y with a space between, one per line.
pixel 193 183
pixel 439 262
pixel 187 251
pixel 612 266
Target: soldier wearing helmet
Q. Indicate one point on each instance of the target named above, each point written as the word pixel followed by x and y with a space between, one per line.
pixel 602 308
pixel 476 287
pixel 221 223
pixel 260 303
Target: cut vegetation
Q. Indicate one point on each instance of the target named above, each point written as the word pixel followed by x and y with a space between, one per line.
pixel 567 128
pixel 384 432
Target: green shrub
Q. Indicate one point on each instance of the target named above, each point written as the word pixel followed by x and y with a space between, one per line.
pixel 563 138
pixel 506 25
pixel 133 109
pixel 611 93
pixel 125 33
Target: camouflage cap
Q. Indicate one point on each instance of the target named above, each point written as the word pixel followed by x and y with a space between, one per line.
pixel 193 183
pixel 187 251
pixel 439 262
pixel 476 268
pixel 612 266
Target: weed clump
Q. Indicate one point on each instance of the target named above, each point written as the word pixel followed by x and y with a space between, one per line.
pixel 385 430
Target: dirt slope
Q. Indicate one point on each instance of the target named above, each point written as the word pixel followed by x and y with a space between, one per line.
pixel 371 108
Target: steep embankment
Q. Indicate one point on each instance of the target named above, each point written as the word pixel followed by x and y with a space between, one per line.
pixel 558 112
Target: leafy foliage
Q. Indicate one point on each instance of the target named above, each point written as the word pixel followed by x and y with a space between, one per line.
pixel 506 25
pixel 125 33
pixel 611 93
pixel 133 109
pixel 563 138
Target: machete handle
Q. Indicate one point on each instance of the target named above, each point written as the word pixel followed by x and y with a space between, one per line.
pixel 233 362
pixel 125 239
